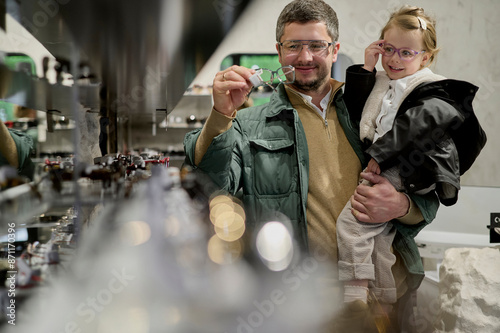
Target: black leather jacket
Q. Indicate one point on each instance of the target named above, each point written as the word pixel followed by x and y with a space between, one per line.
pixel 435 138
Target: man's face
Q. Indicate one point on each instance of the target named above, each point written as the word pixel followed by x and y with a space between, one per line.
pixel 312 71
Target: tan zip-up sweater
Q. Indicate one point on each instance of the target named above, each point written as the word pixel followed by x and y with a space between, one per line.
pixel 334 170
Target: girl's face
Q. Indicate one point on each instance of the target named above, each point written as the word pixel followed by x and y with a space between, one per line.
pixel 393 65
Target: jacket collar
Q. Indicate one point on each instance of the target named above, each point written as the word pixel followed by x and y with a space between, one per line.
pixel 279 102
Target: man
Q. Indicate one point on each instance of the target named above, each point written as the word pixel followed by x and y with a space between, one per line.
pixel 300 155
pixel 15 149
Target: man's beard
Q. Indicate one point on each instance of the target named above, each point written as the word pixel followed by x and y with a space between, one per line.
pixel 313 85
pixel 308 86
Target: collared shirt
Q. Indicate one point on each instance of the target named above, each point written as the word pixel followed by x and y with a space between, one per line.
pixel 323 103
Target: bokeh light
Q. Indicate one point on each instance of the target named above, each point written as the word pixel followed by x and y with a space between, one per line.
pixel 135 232
pixel 275 246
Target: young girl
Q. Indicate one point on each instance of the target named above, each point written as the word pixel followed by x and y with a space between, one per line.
pixel 421 132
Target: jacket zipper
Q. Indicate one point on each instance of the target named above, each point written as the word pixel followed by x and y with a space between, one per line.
pixel 332 100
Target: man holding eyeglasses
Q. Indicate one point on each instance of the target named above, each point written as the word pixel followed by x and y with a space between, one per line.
pixel 15 147
pixel 300 155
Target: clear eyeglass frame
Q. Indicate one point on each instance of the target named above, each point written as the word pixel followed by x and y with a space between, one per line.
pixel 266 76
pixel 316 47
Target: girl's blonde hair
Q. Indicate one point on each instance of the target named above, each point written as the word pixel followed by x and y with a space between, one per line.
pixel 413 18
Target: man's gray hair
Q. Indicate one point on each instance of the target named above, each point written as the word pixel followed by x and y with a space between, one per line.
pixel 304 11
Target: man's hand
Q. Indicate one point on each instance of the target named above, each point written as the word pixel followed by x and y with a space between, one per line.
pixel 230 88
pixel 378 203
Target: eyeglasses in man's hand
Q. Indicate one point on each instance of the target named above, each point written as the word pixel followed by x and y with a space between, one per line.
pixel 285 75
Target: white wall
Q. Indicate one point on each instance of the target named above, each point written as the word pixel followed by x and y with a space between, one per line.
pixel 464 223
pixel 467 34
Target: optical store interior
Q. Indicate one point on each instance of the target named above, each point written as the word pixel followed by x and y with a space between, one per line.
pixel 113 232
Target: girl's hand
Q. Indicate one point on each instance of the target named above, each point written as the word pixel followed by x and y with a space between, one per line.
pixel 373 167
pixel 372 53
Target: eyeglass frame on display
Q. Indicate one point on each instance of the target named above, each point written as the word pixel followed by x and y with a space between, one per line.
pixel 257 80
pixel 317 53
pixel 396 50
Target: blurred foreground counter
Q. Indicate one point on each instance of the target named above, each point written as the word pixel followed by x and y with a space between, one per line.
pixel 153 250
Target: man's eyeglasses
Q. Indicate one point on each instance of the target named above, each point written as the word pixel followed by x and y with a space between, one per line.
pixel 404 53
pixel 316 47
pixel 285 75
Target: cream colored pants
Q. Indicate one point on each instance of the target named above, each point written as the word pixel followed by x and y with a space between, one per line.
pixel 365 249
